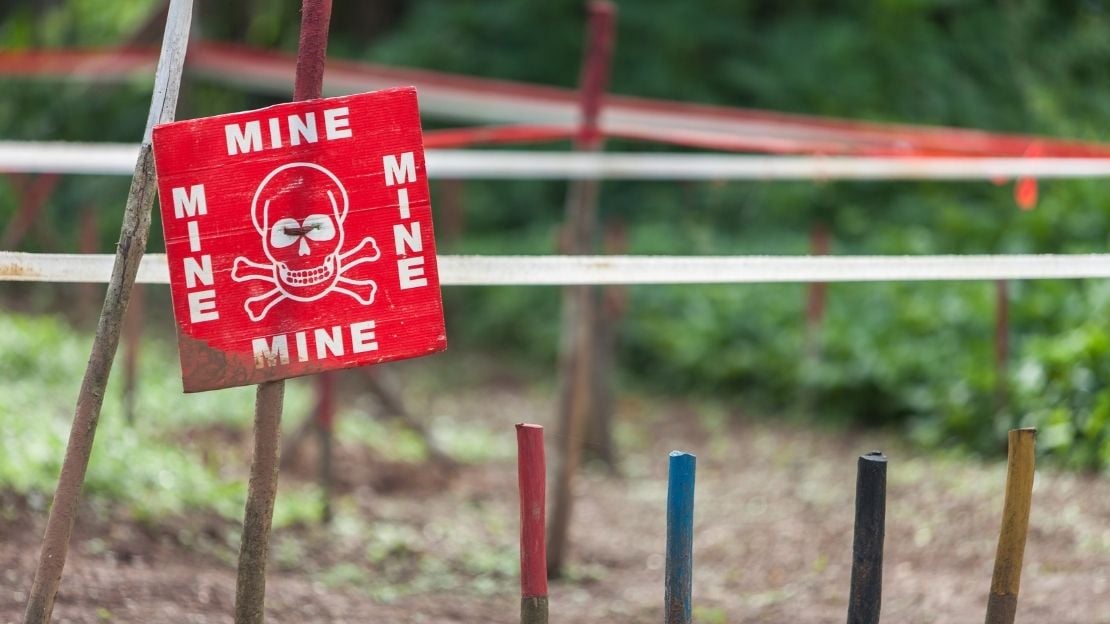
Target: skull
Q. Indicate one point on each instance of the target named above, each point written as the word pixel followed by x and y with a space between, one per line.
pixel 298 211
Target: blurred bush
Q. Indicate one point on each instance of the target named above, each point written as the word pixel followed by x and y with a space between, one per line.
pixel 914 355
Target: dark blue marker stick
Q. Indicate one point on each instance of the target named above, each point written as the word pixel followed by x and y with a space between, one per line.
pixel 866 597
pixel 680 539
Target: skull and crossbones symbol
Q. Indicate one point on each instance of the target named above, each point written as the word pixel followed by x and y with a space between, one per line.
pixel 299 210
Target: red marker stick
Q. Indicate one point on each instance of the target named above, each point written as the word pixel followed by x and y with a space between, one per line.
pixel 532 472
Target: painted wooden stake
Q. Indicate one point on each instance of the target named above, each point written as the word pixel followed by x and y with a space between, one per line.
pixel 250 582
pixel 580 303
pixel 866 596
pixel 532 478
pixel 1002 603
pixel 678 602
pixel 129 252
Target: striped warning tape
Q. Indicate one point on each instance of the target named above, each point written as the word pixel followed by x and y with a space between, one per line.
pixel 119 159
pixel 570 270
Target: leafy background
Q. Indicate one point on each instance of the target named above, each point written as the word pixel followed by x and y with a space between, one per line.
pixel 917 356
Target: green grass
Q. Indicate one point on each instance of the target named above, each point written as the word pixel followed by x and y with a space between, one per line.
pixel 175 462
pixel 144 467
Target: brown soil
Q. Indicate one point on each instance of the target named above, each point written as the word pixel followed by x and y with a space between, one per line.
pixel 773 539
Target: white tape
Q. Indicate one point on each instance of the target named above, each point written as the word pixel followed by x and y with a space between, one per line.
pixel 568 270
pixel 119 159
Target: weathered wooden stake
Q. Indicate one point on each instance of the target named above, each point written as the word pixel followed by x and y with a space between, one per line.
pixel 1020 464
pixel 678 598
pixel 325 428
pixel 33 197
pixel 390 400
pixel 816 294
pixel 1001 342
pixel 393 407
pixel 250 582
pixel 132 342
pixel 612 302
pixel 532 481
pixel 453 211
pixel 866 596
pixel 88 241
pixel 250 586
pixel 132 243
pixel 580 302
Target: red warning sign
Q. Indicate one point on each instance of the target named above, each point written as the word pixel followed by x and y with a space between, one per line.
pixel 299 239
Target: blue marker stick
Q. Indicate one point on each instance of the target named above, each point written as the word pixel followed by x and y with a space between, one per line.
pixel 680 539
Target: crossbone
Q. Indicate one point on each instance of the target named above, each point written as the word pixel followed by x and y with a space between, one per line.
pixel 285 281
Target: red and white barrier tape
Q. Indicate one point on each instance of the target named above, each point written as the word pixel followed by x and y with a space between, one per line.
pixel 483 100
pixel 571 270
pixel 119 159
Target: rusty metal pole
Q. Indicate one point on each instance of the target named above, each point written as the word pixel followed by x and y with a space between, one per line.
pixel 579 302
pixel 250 585
pixel 132 243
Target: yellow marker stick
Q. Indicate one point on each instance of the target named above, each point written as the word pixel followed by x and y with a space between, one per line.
pixel 1002 603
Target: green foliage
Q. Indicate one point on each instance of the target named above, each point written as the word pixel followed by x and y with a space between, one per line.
pixel 917 355
pixel 148 467
pixel 1061 385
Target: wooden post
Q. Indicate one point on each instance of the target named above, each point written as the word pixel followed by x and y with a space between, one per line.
pixel 88 242
pixel 1020 464
pixel 532 481
pixel 132 243
pixel 866 597
pixel 1001 342
pixel 580 302
pixel 678 595
pixel 816 293
pixel 33 195
pixel 250 586
pixel 250 581
pixel 612 303
pixel 325 428
pixel 132 339
pixel 394 406
pixel 452 209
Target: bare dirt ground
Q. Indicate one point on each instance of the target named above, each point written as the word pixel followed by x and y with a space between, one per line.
pixel 773 537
